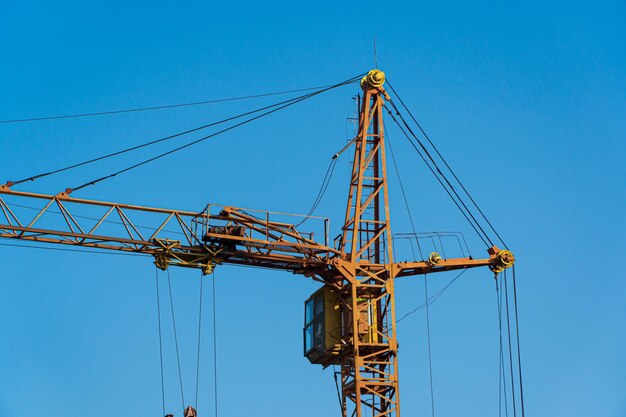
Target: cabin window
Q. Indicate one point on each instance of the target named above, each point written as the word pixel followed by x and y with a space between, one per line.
pixel 314 324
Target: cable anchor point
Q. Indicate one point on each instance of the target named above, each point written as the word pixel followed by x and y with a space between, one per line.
pixel 65 194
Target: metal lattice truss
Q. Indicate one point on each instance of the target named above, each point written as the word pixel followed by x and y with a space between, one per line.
pixel 174 237
pixel 369 361
pixel 369 365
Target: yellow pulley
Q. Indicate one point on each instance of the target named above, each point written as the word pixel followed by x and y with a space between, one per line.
pixel 434 258
pixel 374 79
pixel 505 258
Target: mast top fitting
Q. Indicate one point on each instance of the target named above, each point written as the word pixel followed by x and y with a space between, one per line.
pixel 374 79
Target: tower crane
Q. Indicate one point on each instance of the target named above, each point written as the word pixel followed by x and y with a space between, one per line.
pixel 350 322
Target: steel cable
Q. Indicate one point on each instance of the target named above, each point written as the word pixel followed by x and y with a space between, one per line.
pixel 508 325
pixel 406 201
pixel 446 164
pixel 430 360
pixel 160 337
pixel 321 192
pixel 501 370
pixel 426 298
pixel 433 297
pixel 327 178
pixel 436 167
pixel 180 373
pixel 168 106
pixel 214 345
pixel 437 177
pixel 202 139
pixel 519 356
pixel 489 223
pixel 163 139
pixel 199 338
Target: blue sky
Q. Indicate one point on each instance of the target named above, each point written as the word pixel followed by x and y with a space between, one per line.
pixel 526 101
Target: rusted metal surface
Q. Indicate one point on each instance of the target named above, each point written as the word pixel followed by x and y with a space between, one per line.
pixel 183 238
pixel 369 365
pixel 173 237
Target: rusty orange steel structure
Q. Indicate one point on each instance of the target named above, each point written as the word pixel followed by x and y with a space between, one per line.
pixel 361 268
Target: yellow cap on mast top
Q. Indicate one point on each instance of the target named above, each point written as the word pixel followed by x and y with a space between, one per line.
pixel 374 79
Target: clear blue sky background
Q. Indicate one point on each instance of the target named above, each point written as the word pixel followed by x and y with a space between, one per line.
pixel 527 101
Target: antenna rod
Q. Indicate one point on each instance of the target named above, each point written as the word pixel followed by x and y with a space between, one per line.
pixel 375 54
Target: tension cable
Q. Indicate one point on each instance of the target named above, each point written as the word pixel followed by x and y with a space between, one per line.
pixel 326 181
pixel 167 106
pixel 503 303
pixel 433 297
pixel 160 337
pixel 508 326
pixel 406 201
pixel 501 370
pixel 436 167
pixel 202 139
pixel 445 163
pixel 426 298
pixel 320 194
pixel 519 355
pixel 432 170
pixel 166 138
pixel 214 344
pixel 180 374
pixel 199 338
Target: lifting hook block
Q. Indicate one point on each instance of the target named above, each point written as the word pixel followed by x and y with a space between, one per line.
pixel 208 268
pixel 161 261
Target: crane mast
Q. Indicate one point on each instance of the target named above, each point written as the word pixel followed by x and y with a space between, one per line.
pixel 359 271
pixel 369 368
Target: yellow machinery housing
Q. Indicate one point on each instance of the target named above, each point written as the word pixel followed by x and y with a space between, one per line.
pixel 324 324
